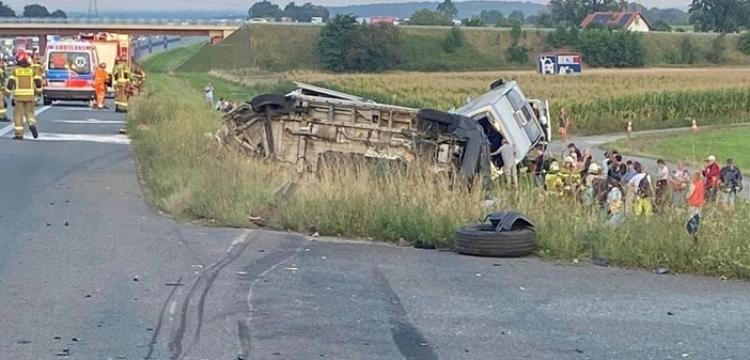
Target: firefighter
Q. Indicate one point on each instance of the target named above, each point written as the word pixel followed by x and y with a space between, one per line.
pixel 100 85
pixel 139 76
pixel 3 104
pixel 36 64
pixel 24 85
pixel 120 81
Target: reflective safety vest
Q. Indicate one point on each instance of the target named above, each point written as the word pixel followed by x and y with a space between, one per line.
pixel 24 89
pixel 121 74
pixel 38 68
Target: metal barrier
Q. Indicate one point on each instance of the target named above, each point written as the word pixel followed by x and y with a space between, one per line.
pixel 142 47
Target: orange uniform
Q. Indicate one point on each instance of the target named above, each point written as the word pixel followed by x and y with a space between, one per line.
pixel 100 85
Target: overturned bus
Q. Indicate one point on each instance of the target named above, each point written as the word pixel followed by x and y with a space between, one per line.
pixel 312 125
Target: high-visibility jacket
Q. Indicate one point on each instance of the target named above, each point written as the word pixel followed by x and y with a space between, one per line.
pixel 38 68
pixel 100 76
pixel 121 74
pixel 24 84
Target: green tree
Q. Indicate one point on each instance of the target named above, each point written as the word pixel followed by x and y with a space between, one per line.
pixel 574 11
pixel 59 14
pixel 607 48
pixel 718 47
pixel 516 53
pixel 448 8
pixel 517 15
pixel 306 12
pixel 6 11
pixel 264 9
pixel 454 40
pixel 722 16
pixel 743 43
pixel 688 52
pixel 35 10
pixel 660 25
pixel 426 17
pixel 491 16
pixel 332 45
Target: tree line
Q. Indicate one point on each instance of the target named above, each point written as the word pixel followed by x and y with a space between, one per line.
pixel 32 11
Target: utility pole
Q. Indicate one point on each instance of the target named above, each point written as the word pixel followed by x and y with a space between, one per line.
pixel 93 9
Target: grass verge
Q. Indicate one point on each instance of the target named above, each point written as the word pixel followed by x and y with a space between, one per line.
pixel 691 147
pixel 191 176
pixel 166 61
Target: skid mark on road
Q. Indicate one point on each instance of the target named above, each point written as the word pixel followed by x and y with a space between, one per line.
pixel 408 339
pixel 206 279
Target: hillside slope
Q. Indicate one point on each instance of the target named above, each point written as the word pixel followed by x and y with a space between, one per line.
pixel 293 47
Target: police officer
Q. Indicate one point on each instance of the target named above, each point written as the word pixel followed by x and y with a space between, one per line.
pixel 120 81
pixel 24 85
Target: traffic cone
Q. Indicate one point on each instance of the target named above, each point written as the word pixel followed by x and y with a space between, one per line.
pixel 694 126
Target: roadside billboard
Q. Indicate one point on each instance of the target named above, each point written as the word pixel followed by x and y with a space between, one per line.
pixel 558 64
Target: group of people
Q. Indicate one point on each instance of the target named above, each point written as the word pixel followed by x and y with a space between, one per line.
pixel 123 82
pixel 621 188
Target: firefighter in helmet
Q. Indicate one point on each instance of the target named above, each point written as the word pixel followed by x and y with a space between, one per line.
pixel 120 82
pixel 4 103
pixel 24 84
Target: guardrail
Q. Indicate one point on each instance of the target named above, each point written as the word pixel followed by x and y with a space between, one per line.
pixel 83 21
pixel 143 47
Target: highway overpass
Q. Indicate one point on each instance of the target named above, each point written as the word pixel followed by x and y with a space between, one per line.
pixel 141 27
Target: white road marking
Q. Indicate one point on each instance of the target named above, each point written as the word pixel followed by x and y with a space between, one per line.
pixel 8 128
pixel 82 109
pixel 89 121
pixel 108 139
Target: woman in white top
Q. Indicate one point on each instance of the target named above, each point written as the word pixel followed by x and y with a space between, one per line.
pixel 209 89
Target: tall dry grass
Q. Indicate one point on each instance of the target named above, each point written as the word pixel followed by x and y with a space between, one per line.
pixel 191 176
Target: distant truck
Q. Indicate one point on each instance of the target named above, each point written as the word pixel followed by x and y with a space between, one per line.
pixel 109 47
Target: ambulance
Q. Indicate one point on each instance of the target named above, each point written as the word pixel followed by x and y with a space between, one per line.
pixel 69 68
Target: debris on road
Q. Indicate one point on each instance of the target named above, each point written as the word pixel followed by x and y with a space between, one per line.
pixel 508 234
pixel 600 261
pixel 661 270
pixel 23 341
pixel 137 278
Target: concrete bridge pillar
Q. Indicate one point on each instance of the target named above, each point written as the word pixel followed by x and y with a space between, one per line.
pixel 42 45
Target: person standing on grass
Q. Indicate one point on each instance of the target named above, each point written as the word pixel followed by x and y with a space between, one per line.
pixel 695 199
pixel 662 183
pixel 711 172
pixel 563 125
pixel 730 182
pixel 680 179
pixel 209 90
pixel 539 166
pixel 507 153
pixel 615 208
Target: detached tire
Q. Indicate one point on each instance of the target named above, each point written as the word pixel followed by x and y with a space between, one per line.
pixel 483 240
pixel 437 116
pixel 265 102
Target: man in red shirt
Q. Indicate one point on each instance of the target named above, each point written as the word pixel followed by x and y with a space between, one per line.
pixel 711 173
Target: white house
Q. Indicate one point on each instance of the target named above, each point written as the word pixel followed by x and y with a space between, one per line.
pixel 631 21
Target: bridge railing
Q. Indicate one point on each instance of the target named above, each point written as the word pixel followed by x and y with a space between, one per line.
pixel 116 21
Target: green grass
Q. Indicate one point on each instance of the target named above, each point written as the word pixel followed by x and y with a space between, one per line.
pixel 166 61
pixel 285 48
pixel 193 177
pixel 692 147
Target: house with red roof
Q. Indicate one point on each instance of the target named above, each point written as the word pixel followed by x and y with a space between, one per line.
pixel 631 21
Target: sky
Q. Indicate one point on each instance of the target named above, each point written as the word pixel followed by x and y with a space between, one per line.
pixel 140 5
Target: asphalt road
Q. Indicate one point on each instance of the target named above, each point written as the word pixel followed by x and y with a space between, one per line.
pixel 77 234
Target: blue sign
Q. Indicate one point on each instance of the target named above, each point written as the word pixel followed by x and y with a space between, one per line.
pixel 558 64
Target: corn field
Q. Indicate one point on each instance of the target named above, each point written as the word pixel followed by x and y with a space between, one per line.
pixel 598 101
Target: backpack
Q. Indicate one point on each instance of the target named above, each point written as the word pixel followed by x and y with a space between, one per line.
pixel 644 188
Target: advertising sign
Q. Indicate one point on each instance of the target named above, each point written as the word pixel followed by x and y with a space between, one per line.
pixel 558 64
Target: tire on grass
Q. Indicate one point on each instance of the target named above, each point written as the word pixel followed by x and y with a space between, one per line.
pixel 483 240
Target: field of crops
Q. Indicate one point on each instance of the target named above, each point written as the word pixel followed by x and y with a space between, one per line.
pixel 599 101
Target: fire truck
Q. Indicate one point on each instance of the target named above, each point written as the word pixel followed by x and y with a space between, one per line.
pixel 110 47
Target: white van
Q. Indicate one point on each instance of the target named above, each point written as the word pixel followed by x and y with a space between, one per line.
pixel 505 113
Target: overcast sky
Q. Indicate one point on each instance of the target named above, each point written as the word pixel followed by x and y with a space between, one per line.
pixel 115 5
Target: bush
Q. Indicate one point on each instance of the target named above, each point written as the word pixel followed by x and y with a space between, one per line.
pixel 607 48
pixel 718 47
pixel 743 43
pixel 688 52
pixel 454 40
pixel 344 45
